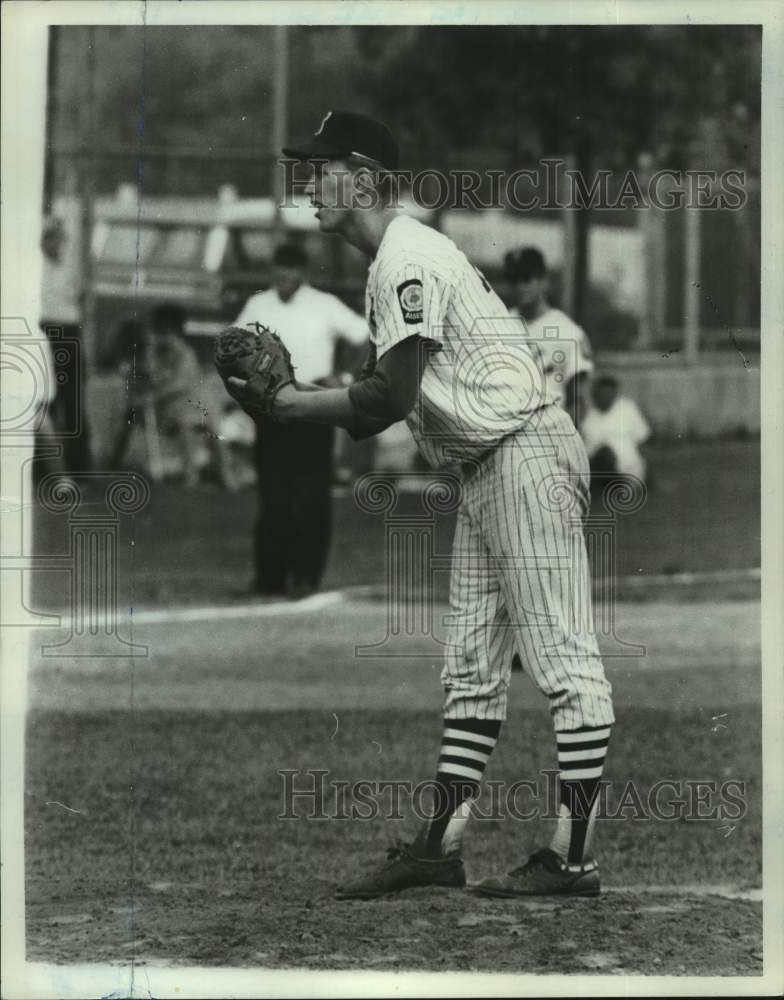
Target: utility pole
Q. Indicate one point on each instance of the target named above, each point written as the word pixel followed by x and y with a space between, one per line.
pixel 692 296
pixel 86 160
pixel 52 65
pixel 86 188
pixel 569 223
pixel 651 226
pixel 280 115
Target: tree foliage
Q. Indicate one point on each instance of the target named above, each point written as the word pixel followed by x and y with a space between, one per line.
pixel 680 94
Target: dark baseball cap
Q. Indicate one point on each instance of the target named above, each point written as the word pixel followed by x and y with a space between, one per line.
pixel 290 255
pixel 528 262
pixel 346 133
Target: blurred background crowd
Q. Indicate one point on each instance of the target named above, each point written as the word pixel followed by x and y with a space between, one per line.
pixel 164 223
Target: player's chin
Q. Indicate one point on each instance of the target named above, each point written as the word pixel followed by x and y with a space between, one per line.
pixel 329 220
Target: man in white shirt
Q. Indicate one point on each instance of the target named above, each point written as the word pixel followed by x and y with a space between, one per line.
pixel 563 346
pixel 614 430
pixel 294 461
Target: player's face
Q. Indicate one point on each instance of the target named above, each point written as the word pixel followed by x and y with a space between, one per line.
pixel 604 395
pixel 52 244
pixel 330 190
pixel 286 281
pixel 529 291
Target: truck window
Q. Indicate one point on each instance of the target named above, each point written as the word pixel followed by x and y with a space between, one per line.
pixel 127 244
pixel 181 247
pixel 256 246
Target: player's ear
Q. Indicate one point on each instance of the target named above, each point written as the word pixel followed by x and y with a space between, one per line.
pixel 364 179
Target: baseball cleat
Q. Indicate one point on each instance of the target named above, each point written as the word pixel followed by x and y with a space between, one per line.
pixel 544 874
pixel 405 870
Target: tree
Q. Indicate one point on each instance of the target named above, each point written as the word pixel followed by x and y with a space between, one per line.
pixel 497 97
pixel 602 95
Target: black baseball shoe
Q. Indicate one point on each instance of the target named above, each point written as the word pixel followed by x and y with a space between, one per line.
pixel 298 588
pixel 256 590
pixel 545 873
pixel 404 870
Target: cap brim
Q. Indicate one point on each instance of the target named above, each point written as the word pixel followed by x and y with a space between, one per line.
pixel 314 151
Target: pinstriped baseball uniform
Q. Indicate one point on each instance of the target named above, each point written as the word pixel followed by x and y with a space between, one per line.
pixel 563 346
pixel 520 578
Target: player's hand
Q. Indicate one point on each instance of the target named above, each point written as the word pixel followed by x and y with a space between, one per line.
pixel 236 389
pixel 284 402
pixel 251 394
pixel 255 367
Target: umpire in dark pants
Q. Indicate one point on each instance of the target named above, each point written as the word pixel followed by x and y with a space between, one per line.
pixel 293 530
pixel 294 461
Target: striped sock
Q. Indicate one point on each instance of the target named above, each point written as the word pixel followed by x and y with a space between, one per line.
pixel 465 750
pixel 581 754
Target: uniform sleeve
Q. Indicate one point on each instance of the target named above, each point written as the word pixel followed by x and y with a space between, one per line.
pixel 410 302
pixel 584 353
pixel 390 392
pixel 345 323
pixel 249 312
pixel 639 429
pixel 644 426
pixel 568 353
pixel 371 360
pixel 590 432
pixel 576 351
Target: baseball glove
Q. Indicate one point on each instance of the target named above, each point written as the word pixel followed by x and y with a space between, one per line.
pixel 258 356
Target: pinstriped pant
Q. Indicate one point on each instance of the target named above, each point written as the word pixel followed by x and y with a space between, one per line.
pixel 520 580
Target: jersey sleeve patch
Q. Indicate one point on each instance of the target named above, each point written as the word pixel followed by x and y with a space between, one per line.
pixel 412 300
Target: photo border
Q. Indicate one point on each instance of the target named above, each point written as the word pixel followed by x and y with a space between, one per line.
pixel 23 103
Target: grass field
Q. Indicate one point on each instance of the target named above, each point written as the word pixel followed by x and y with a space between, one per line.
pixel 702 514
pixel 153 801
pixel 153 794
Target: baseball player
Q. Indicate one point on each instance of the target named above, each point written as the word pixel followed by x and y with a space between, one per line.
pixel 563 346
pixel 446 357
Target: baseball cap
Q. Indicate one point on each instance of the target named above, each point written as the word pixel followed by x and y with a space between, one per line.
pixel 168 316
pixel 290 255
pixel 527 262
pixel 347 133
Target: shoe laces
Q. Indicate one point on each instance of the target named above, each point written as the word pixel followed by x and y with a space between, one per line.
pixel 538 859
pixel 395 852
pixel 406 852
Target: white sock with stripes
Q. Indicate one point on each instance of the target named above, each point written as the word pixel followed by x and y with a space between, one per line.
pixel 581 754
pixel 465 750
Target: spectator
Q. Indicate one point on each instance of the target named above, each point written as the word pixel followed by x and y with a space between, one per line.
pixel 61 319
pixel 164 380
pixel 294 461
pixel 132 355
pixel 614 431
pixel 175 382
pixel 174 377
pixel 48 459
pixel 563 346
